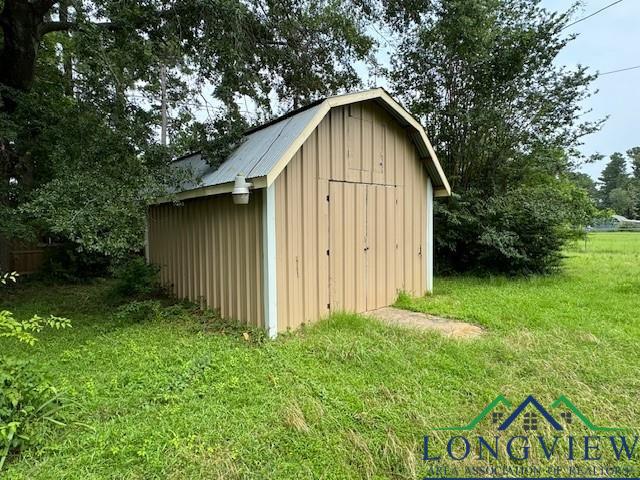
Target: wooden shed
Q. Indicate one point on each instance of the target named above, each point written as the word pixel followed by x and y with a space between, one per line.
pixel 339 216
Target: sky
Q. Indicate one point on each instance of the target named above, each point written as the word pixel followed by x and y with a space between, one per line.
pixel 608 41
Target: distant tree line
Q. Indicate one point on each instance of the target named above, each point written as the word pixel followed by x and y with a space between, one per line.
pixel 618 186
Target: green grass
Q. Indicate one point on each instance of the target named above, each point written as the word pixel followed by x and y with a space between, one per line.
pixel 346 398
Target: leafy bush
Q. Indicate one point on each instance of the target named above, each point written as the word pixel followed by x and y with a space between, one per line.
pixel 136 278
pixel 26 398
pixel 23 330
pixel 139 311
pixel 65 262
pixel 520 232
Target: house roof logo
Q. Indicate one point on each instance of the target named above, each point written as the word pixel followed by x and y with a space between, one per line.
pixel 530 409
pixel 530 400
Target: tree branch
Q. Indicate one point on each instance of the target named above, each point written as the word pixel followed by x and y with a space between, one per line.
pixel 48 27
pixel 43 6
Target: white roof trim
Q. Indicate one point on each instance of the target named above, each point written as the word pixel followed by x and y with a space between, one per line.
pixel 337 101
pixel 258 182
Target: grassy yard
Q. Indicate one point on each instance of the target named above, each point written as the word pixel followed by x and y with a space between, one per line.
pixel 346 398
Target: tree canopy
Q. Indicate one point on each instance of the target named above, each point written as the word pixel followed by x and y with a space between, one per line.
pixel 81 83
pixel 505 121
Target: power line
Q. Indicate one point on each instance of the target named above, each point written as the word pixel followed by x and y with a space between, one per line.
pixel 619 70
pixel 591 15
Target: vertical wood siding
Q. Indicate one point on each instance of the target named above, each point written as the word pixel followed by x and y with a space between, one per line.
pixel 210 251
pixel 366 162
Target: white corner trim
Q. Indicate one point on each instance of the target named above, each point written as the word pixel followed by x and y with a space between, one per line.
pixel 146 235
pixel 269 261
pixel 429 249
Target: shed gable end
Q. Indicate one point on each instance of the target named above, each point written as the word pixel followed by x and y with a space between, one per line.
pixel 362 143
pixel 363 148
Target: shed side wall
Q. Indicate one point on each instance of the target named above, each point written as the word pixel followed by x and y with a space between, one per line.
pixel 358 143
pixel 210 251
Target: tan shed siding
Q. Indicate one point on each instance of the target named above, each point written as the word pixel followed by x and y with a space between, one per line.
pixel 301 239
pixel 362 156
pixel 210 251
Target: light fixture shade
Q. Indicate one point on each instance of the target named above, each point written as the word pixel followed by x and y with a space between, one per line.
pixel 240 198
pixel 240 191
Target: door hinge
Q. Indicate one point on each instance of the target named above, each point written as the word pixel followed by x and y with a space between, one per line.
pixel 328 306
pixel 327 252
pixel 327 198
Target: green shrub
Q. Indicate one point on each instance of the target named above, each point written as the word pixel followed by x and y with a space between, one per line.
pixel 26 398
pixel 139 311
pixel 66 263
pixel 24 330
pixel 136 279
pixel 520 232
pixel 180 312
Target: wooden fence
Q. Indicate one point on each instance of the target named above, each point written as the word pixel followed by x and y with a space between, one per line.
pixel 26 261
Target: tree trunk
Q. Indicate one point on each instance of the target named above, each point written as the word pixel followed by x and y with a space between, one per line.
pixel 20 22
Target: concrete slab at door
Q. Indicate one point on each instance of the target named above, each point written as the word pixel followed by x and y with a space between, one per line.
pixel 347 224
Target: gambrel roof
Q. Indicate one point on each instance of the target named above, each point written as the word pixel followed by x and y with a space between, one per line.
pixel 266 150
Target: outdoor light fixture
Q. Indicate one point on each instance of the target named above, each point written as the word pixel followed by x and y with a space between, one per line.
pixel 241 190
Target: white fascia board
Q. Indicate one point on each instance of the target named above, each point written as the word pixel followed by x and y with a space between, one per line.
pixel 423 135
pixel 258 182
pixel 341 100
pixel 441 192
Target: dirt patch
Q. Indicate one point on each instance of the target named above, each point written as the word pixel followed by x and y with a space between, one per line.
pixel 424 321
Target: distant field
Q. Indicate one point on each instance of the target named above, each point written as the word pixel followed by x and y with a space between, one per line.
pixel 347 398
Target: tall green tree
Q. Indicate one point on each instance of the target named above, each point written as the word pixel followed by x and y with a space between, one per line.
pixel 622 200
pixel 634 156
pixel 504 120
pixel 613 177
pixel 584 181
pixel 80 84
